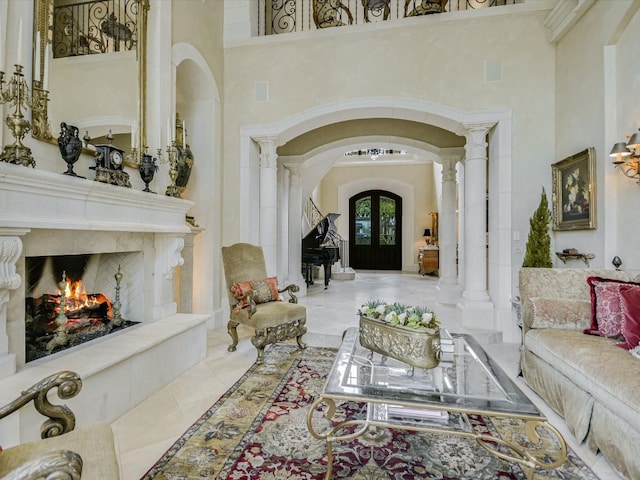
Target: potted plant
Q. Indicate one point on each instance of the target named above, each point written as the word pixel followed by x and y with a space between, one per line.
pixel 538 253
pixel 408 334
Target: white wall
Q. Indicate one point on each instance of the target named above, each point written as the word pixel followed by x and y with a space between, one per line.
pixel 597 105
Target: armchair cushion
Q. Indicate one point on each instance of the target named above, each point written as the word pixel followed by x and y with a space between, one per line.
pixel 94 443
pixel 270 314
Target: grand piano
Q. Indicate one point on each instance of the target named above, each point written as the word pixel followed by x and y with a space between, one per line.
pixel 321 247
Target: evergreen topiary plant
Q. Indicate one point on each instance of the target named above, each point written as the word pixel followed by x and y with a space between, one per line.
pixel 538 252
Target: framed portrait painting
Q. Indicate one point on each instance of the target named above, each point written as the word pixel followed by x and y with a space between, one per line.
pixel 574 192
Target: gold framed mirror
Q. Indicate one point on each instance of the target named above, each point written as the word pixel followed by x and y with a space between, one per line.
pixel 89 68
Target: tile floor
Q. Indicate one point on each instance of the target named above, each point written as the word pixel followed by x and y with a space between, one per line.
pixel 147 431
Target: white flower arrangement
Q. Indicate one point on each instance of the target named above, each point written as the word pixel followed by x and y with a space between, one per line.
pixel 417 318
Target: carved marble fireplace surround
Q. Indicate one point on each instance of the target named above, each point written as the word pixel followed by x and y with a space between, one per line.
pixel 46 214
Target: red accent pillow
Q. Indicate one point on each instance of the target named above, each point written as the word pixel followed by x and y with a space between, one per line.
pixel 630 305
pixel 265 290
pixel 607 317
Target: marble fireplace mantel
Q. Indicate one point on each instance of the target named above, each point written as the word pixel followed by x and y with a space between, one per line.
pixel 33 198
pixel 48 213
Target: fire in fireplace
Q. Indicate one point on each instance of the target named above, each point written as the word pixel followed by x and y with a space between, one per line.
pixel 61 315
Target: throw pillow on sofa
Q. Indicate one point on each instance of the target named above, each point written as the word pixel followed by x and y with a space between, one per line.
pixel 630 305
pixel 563 313
pixel 607 317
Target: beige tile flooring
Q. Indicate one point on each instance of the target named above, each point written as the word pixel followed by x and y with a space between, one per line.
pixel 147 431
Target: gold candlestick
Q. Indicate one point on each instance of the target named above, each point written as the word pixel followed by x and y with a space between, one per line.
pixel 17 93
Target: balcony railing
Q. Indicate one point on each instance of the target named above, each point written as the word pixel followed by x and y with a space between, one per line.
pixel 94 26
pixel 286 16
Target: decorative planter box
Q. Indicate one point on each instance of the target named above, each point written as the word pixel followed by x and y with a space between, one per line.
pixel 418 348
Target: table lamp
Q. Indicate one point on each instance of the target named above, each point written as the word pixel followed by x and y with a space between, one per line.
pixel 427 236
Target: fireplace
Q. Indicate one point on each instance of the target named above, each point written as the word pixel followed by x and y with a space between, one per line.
pixel 53 226
pixel 73 299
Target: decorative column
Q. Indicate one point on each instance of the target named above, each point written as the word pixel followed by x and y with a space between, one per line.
pixel 475 305
pixel 295 228
pixel 185 281
pixel 448 289
pixel 268 200
pixel 168 256
pixel 10 251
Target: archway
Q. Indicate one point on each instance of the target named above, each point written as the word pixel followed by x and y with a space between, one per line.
pixel 496 124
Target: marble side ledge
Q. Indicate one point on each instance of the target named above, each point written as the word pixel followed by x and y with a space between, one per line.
pixel 118 372
pixel 34 198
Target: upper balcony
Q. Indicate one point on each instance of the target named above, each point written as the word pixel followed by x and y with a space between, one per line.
pixel 287 16
pixel 246 19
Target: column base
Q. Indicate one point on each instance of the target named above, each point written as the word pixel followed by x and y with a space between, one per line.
pixel 448 293
pixel 7 364
pixel 476 314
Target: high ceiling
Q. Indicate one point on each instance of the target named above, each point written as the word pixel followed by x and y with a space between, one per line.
pixel 389 127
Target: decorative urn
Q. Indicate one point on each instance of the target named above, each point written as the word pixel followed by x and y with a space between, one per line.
pixel 148 168
pixel 70 146
pixel 408 334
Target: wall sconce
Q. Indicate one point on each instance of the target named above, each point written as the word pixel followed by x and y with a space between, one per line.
pixel 427 236
pixel 626 156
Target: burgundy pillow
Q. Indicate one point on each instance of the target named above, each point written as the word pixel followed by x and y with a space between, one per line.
pixel 630 305
pixel 607 317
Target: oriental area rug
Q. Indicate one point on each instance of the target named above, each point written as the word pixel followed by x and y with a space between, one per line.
pixel 257 431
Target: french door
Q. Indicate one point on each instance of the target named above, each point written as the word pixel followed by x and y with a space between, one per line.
pixel 375 238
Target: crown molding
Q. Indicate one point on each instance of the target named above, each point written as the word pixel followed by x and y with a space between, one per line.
pixel 565 15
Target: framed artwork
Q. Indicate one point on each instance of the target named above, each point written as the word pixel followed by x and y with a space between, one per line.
pixel 574 192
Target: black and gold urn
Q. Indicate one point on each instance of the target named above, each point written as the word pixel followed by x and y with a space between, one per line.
pixel 70 147
pixel 148 168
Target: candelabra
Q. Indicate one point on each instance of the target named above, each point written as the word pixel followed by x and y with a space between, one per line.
pixel 172 158
pixel 16 92
pixel 60 338
pixel 117 319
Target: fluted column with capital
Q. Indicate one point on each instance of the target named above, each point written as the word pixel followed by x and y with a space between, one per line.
pixel 448 289
pixel 475 304
pixel 295 224
pixel 10 251
pixel 268 201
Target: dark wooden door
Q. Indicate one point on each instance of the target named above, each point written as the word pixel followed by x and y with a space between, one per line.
pixel 375 238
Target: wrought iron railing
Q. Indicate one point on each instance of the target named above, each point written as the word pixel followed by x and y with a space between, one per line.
pixel 313 214
pixel 286 16
pixel 91 27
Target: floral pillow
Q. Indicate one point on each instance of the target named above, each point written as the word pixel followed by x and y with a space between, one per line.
pixel 265 290
pixel 630 306
pixel 607 317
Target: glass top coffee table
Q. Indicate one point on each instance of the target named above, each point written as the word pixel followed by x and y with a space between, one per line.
pixel 466 381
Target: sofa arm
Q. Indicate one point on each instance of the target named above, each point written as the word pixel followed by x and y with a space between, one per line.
pixel 291 289
pixel 51 466
pixel 60 418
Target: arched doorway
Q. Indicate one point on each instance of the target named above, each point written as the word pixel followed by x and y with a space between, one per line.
pixel 375 238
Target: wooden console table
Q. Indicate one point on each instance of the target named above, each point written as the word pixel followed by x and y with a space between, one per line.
pixel 428 260
pixel 585 257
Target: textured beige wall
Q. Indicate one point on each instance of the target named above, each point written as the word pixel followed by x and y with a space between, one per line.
pixel 436 59
pixel 200 24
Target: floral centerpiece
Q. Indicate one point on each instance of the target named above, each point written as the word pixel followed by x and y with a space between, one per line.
pixel 408 334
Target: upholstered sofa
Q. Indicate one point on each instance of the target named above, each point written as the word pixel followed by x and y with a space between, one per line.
pixel 587 379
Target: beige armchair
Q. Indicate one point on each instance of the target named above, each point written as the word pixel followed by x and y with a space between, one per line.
pixel 253 300
pixel 63 452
